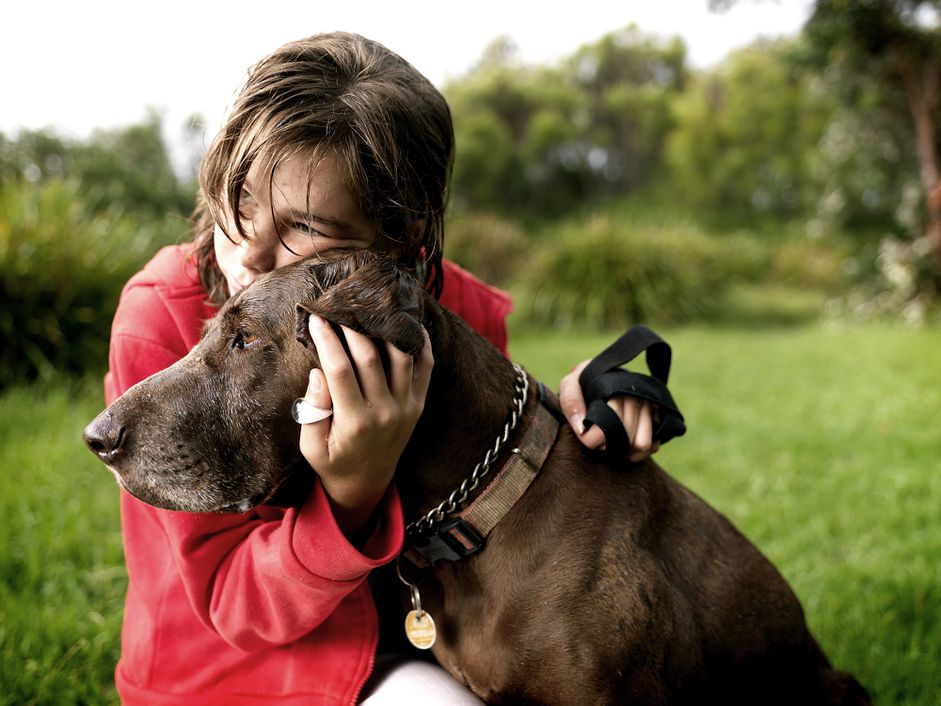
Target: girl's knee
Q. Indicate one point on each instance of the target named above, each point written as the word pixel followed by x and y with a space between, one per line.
pixel 399 680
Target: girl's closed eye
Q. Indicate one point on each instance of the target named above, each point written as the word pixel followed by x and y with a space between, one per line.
pixel 306 237
pixel 310 230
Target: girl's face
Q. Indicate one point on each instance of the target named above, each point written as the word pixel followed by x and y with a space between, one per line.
pixel 313 209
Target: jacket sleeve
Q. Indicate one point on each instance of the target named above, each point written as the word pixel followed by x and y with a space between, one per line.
pixel 267 578
pixel 258 579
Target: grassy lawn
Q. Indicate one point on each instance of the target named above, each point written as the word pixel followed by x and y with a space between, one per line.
pixel 62 574
pixel 819 441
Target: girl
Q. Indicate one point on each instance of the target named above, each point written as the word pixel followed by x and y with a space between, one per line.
pixel 334 141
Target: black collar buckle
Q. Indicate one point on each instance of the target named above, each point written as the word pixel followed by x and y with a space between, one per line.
pixel 453 540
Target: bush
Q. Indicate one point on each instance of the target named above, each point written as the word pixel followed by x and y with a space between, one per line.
pixel 490 247
pixel 603 273
pixel 810 263
pixel 904 287
pixel 61 272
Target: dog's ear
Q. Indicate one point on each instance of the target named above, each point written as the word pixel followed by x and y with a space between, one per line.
pixel 371 295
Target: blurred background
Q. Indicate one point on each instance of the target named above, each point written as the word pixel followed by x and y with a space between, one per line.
pixel 758 181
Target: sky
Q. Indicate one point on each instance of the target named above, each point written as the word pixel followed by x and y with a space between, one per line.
pixel 75 65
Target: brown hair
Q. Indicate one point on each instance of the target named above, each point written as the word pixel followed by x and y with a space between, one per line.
pixel 339 92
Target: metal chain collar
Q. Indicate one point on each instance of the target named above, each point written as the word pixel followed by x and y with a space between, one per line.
pixel 459 496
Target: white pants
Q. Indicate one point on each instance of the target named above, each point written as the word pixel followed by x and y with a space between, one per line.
pixel 397 681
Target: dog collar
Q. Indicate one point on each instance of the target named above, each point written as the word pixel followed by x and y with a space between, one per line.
pixel 437 537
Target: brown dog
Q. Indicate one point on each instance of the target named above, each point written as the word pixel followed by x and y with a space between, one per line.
pixel 602 584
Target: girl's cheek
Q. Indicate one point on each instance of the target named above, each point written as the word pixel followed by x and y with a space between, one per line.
pixel 223 247
pixel 226 257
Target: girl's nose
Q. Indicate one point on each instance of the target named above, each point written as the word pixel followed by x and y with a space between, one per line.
pixel 258 251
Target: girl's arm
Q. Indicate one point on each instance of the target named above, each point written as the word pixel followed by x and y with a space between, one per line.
pixel 258 579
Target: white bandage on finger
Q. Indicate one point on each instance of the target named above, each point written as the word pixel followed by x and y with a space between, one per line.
pixel 305 412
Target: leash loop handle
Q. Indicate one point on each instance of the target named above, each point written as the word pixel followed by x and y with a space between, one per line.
pixel 603 378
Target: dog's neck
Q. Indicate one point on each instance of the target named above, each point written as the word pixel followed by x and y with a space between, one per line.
pixel 469 401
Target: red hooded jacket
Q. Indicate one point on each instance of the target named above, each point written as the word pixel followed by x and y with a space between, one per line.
pixel 268 607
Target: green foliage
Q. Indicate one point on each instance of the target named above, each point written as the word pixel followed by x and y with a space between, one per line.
pixel 866 159
pixel 898 283
pixel 492 248
pixel 809 264
pixel 77 219
pixel 487 171
pixel 61 271
pixel 629 79
pixel 889 50
pixel 538 140
pixel 131 169
pixel 865 175
pixel 746 135
pixel 873 36
pixel 603 272
pixel 125 170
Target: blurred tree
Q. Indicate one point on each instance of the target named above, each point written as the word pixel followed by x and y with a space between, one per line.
pixel 893 47
pixel 126 169
pixel 512 127
pixel 865 167
pixel 538 140
pixel 77 219
pixel 746 134
pixel 131 168
pixel 33 156
pixel 629 78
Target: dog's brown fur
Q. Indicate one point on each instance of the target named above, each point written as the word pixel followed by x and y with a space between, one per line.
pixel 606 584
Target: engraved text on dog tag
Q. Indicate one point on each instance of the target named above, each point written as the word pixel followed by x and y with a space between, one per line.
pixel 420 629
pixel 419 625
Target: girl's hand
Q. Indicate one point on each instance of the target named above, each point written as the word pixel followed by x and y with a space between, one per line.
pixel 636 414
pixel 356 450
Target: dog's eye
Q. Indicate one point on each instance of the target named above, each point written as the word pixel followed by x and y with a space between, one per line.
pixel 244 339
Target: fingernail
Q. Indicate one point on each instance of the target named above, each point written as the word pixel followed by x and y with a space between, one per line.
pixel 578 424
pixel 314 323
pixel 314 382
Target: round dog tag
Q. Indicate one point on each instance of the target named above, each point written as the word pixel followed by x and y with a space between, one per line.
pixel 420 629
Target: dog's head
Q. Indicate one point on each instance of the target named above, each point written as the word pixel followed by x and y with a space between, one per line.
pixel 213 432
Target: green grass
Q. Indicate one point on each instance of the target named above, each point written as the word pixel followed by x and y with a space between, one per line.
pixel 820 441
pixel 62 575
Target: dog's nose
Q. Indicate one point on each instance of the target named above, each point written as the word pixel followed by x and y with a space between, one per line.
pixel 104 436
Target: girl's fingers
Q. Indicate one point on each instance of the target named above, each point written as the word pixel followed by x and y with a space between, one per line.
pixel 317 392
pixel 367 363
pixel 401 370
pixel 593 438
pixel 421 371
pixel 313 440
pixel 337 368
pixel 410 377
pixel 642 439
pixel 627 411
pixel 635 414
pixel 572 402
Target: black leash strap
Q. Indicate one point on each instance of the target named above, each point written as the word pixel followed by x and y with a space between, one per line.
pixel 603 378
